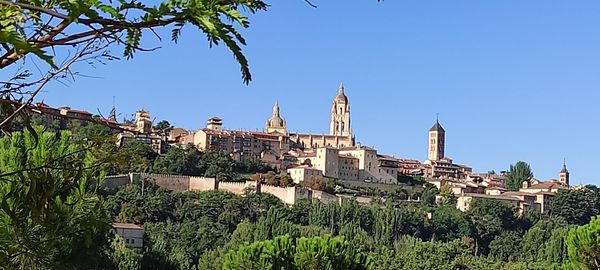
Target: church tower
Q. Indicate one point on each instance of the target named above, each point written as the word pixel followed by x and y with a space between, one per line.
pixel 564 174
pixel 340 115
pixel 276 123
pixel 437 141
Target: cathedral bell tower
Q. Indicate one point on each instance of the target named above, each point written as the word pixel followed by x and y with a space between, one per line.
pixel 340 115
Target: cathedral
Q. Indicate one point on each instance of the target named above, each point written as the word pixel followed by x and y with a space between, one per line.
pixel 340 131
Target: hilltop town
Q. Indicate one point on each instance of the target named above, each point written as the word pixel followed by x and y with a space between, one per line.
pixel 305 156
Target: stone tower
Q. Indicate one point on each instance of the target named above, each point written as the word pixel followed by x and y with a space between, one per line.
pixel 340 115
pixel 437 141
pixel 276 123
pixel 564 174
pixel 143 123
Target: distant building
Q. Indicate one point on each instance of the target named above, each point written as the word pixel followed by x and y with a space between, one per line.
pixel 132 234
pixel 242 145
pixel 302 173
pixel 340 131
pixel 536 196
pixel 142 131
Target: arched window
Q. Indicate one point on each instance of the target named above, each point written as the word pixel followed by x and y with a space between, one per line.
pixel 343 126
pixel 337 125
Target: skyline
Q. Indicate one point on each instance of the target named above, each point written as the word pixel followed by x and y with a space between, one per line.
pixel 511 81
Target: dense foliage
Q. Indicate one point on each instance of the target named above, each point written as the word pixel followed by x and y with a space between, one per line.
pixel 216 230
pixel 517 174
pixel 52 217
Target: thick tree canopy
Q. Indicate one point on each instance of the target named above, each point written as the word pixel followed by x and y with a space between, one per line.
pixel 517 174
pixel 51 215
pixel 576 206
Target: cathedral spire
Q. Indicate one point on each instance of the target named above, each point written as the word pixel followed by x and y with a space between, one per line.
pixel 341 89
pixel 276 109
pixel 564 168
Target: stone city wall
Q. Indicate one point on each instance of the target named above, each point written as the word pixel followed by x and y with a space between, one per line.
pixel 182 183
pixel 233 187
pixel 112 183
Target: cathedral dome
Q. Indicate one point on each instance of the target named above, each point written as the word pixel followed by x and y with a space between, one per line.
pixel 275 121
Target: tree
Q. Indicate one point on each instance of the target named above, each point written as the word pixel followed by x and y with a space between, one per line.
pixel 490 218
pixel 315 183
pixel 449 223
pixel 583 245
pixel 51 216
pixel 536 238
pixel 447 195
pixel 285 252
pixel 122 257
pixel 575 206
pixel 517 174
pixel 506 246
pixel 179 161
pixel 84 32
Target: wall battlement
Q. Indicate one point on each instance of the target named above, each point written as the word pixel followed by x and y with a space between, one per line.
pixel 182 183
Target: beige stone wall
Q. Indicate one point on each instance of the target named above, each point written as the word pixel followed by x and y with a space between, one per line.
pixel 179 183
pixel 202 183
pixel 327 160
pixel 303 173
pixel 367 163
pixel 113 182
pixel 279 192
pixel 237 188
pixel 201 140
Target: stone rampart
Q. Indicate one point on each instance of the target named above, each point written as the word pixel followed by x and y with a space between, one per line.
pixel 202 183
pixel 233 187
pixel 112 183
pixel 182 183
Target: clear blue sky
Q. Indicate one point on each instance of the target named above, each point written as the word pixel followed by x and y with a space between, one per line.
pixel 512 80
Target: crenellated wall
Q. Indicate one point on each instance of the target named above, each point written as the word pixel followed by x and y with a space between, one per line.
pixel 179 183
pixel 182 183
pixel 202 183
pixel 233 187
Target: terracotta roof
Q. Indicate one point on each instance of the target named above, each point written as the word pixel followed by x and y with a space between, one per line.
pixel 548 185
pixel 493 197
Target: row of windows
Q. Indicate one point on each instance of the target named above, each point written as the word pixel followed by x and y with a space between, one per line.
pixel 129 241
